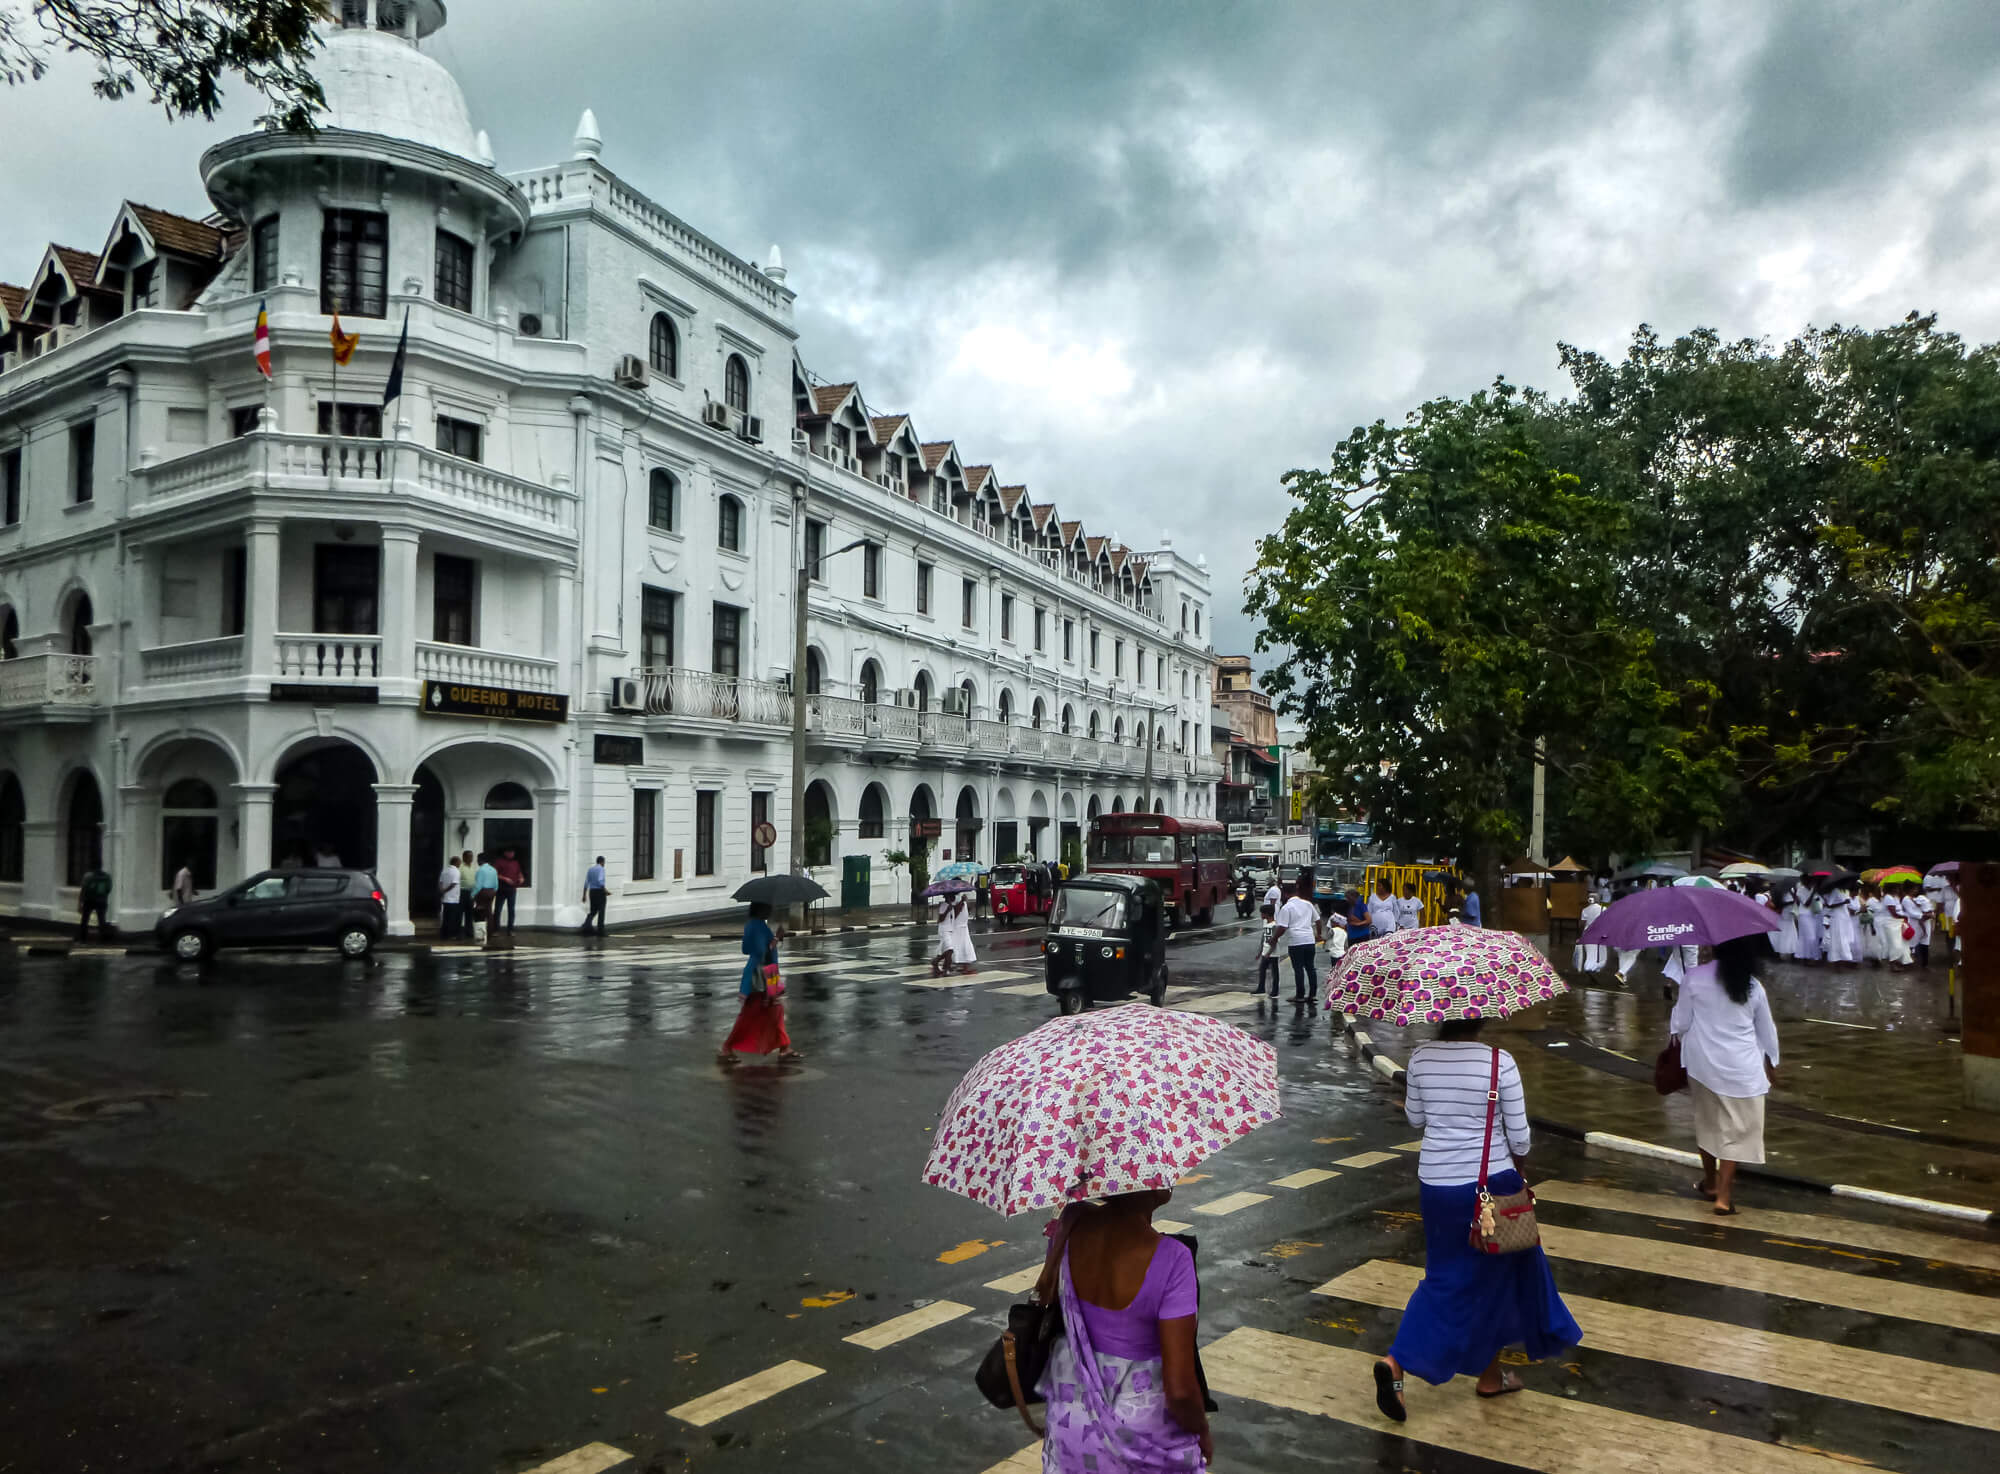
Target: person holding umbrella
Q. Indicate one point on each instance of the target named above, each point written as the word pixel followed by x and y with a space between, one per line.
pixel 1466 1097
pixel 760 1022
pixel 1729 1048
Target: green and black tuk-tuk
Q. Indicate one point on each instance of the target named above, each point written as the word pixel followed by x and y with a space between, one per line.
pixel 1107 940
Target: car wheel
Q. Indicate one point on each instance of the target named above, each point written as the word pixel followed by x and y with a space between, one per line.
pixel 1070 1002
pixel 192 946
pixel 355 941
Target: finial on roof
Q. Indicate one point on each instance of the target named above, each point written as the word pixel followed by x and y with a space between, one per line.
pixel 1166 540
pixel 483 146
pixel 588 143
pixel 775 267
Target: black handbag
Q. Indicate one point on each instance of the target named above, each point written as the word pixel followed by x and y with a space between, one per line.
pixel 1015 1363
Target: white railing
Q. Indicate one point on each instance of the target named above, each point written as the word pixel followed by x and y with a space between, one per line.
pixel 329 658
pixel 192 660
pixel 838 716
pixel 216 468
pixel 676 234
pixel 469 666
pixel 489 492
pixel 677 691
pixel 991 737
pixel 48 680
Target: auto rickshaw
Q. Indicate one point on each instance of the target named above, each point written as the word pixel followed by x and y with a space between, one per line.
pixel 1107 940
pixel 1020 890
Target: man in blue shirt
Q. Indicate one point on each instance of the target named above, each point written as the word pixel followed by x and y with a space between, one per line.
pixel 1471 910
pixel 595 896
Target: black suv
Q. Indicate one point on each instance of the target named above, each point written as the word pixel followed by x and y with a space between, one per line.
pixel 280 908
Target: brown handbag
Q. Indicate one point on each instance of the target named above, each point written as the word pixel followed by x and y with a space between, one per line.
pixel 1502 1225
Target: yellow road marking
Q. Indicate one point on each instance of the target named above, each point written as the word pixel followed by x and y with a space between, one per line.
pixel 1888 1238
pixel 586 1460
pixel 970 1249
pixel 1232 1203
pixel 747 1393
pixel 1019 1282
pixel 827 1301
pixel 1307 1178
pixel 1531 1429
pixel 1192 1177
pixel 1167 1225
pixel 905 1326
pixel 1366 1159
pixel 1027 1461
pixel 1847 1373
pixel 1330 1140
pixel 1775 1277
pixel 962 979
pixel 1408 1146
pixel 1291 1248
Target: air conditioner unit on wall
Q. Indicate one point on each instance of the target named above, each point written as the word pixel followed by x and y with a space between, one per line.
pixel 628 693
pixel 631 372
pixel 715 416
pixel 955 703
pixel 905 699
pixel 752 429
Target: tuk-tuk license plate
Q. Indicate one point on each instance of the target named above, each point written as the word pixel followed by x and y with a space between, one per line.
pixel 1081 931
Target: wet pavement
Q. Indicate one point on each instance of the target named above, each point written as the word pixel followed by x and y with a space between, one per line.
pixel 503 1213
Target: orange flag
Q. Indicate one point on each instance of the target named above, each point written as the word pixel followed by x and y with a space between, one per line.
pixel 344 344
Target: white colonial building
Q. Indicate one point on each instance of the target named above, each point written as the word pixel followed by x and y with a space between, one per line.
pixel 542 600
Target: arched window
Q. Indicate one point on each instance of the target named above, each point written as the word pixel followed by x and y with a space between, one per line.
pixel 13 830
pixel 729 524
pixel 187 833
pixel 10 636
pixel 1005 707
pixel 1118 731
pixel 869 824
pixel 1159 806
pixel 965 690
pixel 1039 711
pixel 736 384
pixel 1093 726
pixel 83 842
pixel 1118 804
pixel 819 825
pixel 871 682
pixel 79 629
pixel 663 348
pixel 1159 739
pixel 1068 719
pixel 509 796
pixel 812 673
pixel 923 690
pixel 661 499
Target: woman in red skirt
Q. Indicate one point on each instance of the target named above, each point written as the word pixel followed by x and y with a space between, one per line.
pixel 760 1024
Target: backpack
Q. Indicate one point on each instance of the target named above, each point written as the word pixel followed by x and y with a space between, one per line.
pixel 96 886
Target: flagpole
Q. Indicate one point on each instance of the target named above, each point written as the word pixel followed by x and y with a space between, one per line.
pixel 333 414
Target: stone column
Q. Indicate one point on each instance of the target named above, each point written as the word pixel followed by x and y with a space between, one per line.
pixel 399 603
pixel 557 881
pixel 393 802
pixel 260 609
pixel 253 830
pixel 132 847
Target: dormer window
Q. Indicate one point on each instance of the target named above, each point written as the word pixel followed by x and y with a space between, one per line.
pixel 353 13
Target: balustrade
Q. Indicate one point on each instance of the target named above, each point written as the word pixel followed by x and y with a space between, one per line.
pixel 48 680
pixel 467 665
pixel 323 659
pixel 679 691
pixel 192 660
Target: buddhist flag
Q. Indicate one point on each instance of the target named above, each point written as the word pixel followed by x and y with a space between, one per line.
pixel 264 339
pixel 344 344
pixel 394 388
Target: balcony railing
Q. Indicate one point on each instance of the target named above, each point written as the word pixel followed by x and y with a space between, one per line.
pixel 48 680
pixel 192 660
pixel 470 666
pixel 677 691
pixel 324 659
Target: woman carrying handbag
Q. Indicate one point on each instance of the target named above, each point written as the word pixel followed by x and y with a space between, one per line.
pixel 760 1023
pixel 1486 1282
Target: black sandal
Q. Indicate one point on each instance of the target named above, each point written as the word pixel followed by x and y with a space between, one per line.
pixel 1389 1393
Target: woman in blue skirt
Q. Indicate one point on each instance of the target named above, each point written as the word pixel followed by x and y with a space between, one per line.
pixel 1471 1306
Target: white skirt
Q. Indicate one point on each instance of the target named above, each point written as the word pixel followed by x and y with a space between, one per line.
pixel 1729 1128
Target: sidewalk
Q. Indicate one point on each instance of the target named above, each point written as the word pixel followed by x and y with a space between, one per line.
pixel 1868 1090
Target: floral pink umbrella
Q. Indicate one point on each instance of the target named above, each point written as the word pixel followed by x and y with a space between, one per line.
pixel 1436 973
pixel 1100 1103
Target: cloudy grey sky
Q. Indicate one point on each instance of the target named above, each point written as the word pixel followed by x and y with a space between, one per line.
pixel 1146 255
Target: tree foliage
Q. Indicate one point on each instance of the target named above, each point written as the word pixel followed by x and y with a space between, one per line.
pixel 1729 588
pixel 179 51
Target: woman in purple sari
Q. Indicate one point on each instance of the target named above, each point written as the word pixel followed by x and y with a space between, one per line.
pixel 1122 1386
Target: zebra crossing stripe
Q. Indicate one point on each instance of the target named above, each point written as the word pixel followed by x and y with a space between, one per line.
pixel 590 1459
pixel 1846 1373
pixel 1866 1294
pixel 1530 1430
pixel 1026 1461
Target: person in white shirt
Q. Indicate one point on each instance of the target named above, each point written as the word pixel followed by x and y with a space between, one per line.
pixel 1729 1048
pixel 1590 959
pixel 1275 896
pixel 449 892
pixel 1409 910
pixel 1922 911
pixel 1382 912
pixel 1301 922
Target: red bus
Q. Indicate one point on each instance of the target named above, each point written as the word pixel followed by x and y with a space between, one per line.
pixel 1188 857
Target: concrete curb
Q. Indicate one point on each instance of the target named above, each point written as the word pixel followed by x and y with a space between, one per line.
pixel 1389 1070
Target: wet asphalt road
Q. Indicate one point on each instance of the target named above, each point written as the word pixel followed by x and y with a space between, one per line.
pixel 476 1212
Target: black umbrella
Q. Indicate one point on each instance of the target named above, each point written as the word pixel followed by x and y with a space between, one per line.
pixel 781 890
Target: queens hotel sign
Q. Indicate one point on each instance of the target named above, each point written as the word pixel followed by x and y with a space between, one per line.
pixel 444 698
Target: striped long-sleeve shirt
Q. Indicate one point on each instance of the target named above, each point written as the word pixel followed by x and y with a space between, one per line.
pixel 1447 1097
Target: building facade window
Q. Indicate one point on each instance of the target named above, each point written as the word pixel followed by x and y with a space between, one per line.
pixel 10 486
pixel 80 617
pixel 1093 649
pixel 354 263
pixel 1006 616
pixel 1184 737
pixel 726 641
pixel 967 595
pixel 346 586
pixel 188 833
pixel 1117 658
pixel 871 571
pixel 452 583
pixel 264 254
pixel 760 815
pixel 645 833
pixel 1159 672
pixel 871 683
pixel 235 590
pixel 459 438
pixel 1041 630
pixel 82 463
pixel 657 611
pixel 242 420
pixel 736 384
pixel 815 549
pixel 663 347
pixel 729 524
pixel 451 271
pixel 704 831
pixel 662 497
pixel 13 830
pixel 869 820
pixel 1069 639
pixel 924 571
pixel 1197 619
pixel 357 421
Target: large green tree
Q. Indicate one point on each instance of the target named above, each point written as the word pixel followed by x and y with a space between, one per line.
pixel 1730 589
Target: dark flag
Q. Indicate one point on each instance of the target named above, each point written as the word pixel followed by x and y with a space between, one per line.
pixel 394 388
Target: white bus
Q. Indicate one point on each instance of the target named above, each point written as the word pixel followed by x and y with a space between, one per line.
pixel 1276 851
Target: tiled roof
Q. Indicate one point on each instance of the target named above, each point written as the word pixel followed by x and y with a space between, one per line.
pixel 934 451
pixel 884 427
pixel 81 265
pixel 1140 568
pixel 829 397
pixel 1092 546
pixel 976 477
pixel 1042 511
pixel 177 233
pixel 1069 532
pixel 1118 557
pixel 12 299
pixel 1010 498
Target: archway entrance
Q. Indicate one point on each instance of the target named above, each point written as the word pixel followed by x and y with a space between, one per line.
pixel 83 829
pixel 507 822
pixel 189 833
pixel 324 808
pixel 427 844
pixel 923 815
pixel 966 846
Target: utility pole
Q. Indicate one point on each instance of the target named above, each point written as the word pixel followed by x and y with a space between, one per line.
pixel 1536 820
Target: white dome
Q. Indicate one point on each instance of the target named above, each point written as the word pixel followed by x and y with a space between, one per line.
pixel 379 83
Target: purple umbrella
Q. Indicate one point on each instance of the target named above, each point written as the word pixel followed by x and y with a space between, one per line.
pixel 1678 916
pixel 951 885
pixel 1947 867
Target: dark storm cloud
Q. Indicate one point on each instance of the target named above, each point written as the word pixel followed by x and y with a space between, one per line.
pixel 1145 256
